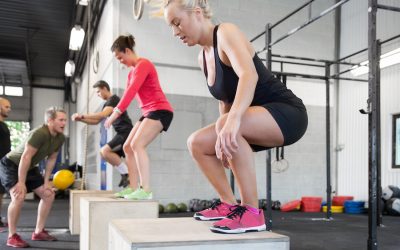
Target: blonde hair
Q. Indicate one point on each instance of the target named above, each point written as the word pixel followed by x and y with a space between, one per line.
pixel 160 5
pixel 51 113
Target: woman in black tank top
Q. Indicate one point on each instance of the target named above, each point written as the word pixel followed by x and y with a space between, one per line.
pixel 257 112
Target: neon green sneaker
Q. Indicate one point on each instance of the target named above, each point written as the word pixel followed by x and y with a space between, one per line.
pixel 139 194
pixel 124 192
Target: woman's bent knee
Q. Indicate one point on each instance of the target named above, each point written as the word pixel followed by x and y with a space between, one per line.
pixel 127 149
pixel 193 142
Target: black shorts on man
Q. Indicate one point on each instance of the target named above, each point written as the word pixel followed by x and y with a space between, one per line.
pixel 9 176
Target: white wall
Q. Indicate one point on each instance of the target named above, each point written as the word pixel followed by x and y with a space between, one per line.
pixel 43 99
pixel 353 127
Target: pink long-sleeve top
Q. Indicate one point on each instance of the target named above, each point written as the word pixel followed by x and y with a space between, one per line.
pixel 143 81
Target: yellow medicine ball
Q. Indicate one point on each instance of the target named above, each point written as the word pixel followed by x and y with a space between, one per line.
pixel 63 179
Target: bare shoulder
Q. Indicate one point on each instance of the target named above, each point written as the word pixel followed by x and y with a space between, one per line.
pixel 231 38
pixel 230 33
pixel 228 29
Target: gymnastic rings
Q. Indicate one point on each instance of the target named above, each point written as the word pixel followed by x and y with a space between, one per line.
pixel 279 165
pixel 138 6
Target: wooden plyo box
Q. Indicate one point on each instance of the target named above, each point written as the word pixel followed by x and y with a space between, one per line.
pixel 74 206
pixel 97 212
pixel 186 234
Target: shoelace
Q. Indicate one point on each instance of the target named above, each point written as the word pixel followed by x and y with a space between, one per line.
pixel 215 204
pixel 16 237
pixel 238 211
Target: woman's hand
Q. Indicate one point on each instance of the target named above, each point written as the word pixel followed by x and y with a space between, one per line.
pixel 226 144
pixel 225 162
pixel 110 120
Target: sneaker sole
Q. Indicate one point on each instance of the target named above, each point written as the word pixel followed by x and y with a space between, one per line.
pixel 203 218
pixel 137 199
pixel 15 246
pixel 238 230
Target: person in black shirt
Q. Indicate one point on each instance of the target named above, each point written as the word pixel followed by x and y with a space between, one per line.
pixel 5 141
pixel 112 151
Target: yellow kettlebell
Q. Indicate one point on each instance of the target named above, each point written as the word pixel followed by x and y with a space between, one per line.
pixel 63 179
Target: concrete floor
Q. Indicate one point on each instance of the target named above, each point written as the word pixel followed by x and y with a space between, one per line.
pixel 305 230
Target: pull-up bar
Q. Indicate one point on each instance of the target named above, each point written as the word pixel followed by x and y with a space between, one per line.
pixel 363 50
pixel 386 7
pixel 359 52
pixel 323 13
pixel 283 19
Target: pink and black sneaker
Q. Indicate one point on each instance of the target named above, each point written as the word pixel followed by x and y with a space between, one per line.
pixel 240 220
pixel 218 211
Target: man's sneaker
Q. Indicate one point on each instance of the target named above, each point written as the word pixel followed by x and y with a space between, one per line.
pixel 139 194
pixel 218 211
pixel 43 236
pixel 240 220
pixel 124 192
pixel 16 241
pixel 124 182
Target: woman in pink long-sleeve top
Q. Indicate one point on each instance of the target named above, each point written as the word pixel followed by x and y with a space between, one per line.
pixel 156 117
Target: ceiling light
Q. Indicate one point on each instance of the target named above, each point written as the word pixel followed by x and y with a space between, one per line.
pixel 77 37
pixel 84 2
pixel 388 59
pixel 69 68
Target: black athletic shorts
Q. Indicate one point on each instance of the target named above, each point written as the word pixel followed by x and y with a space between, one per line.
pixel 164 116
pixel 292 121
pixel 117 142
pixel 9 176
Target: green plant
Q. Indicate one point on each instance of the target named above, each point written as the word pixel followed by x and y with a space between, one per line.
pixel 18 130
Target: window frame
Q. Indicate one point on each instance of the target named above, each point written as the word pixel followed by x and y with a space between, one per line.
pixel 395 117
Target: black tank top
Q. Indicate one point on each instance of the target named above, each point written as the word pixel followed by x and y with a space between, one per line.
pixel 268 88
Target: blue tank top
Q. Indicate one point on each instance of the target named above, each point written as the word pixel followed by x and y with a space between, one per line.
pixel 268 88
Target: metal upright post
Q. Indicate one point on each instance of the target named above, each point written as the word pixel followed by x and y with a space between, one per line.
pixel 378 135
pixel 268 158
pixel 372 121
pixel 328 144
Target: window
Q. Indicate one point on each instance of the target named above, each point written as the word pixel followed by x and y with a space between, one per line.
pixel 19 131
pixel 396 142
pixel 14 91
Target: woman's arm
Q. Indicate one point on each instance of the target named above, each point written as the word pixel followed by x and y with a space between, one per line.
pixel 236 50
pixel 136 81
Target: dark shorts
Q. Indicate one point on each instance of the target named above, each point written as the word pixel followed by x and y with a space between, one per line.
pixel 9 176
pixel 117 142
pixel 292 121
pixel 164 116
